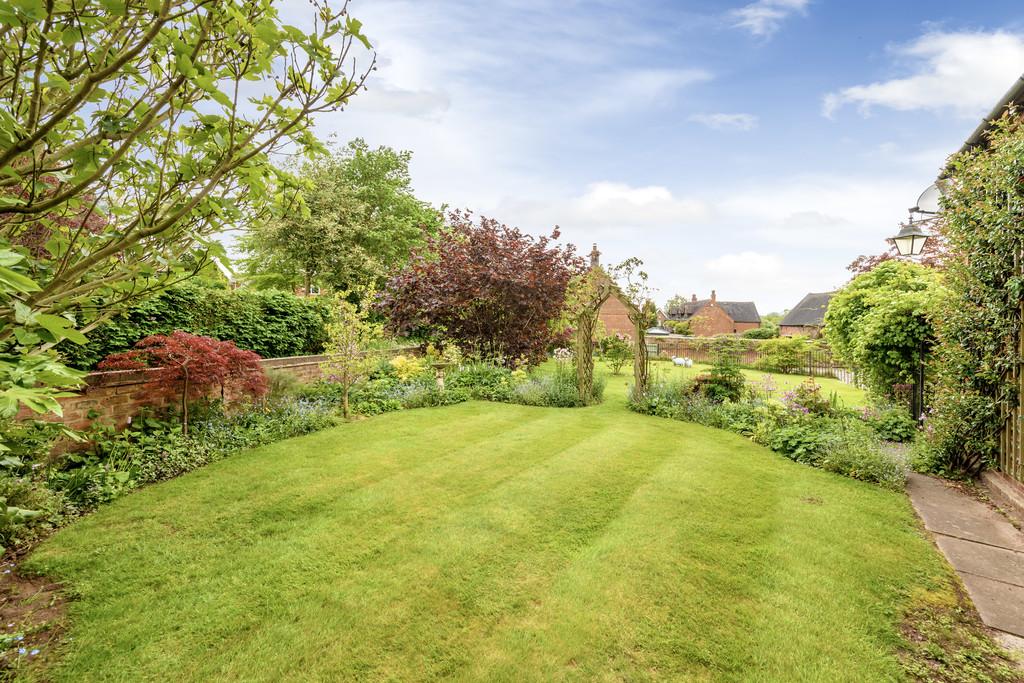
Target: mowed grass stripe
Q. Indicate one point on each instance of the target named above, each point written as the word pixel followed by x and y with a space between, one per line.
pixel 454 578
pixel 252 544
pixel 645 597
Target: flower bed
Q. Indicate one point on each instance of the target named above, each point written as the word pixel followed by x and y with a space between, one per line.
pixel 804 425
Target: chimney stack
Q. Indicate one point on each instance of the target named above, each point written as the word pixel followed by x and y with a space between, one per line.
pixel 714 297
pixel 693 299
pixel 595 257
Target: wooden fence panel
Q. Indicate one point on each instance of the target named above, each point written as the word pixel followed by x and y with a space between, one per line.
pixel 1011 437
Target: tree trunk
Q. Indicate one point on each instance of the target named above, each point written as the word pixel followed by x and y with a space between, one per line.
pixel 344 403
pixel 184 405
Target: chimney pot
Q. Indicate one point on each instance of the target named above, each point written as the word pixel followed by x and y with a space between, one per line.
pixel 714 297
pixel 693 299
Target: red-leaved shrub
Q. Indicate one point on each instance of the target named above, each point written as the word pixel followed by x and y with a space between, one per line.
pixel 193 366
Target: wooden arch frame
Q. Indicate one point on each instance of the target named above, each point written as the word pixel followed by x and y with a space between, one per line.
pixel 642 317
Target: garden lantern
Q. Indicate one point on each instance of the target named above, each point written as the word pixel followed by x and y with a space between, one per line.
pixel 911 239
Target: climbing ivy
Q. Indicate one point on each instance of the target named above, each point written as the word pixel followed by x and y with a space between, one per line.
pixel 979 325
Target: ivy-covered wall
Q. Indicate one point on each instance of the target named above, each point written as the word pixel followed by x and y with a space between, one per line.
pixel 273 324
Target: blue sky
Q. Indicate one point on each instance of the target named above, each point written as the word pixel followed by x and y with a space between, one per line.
pixel 753 148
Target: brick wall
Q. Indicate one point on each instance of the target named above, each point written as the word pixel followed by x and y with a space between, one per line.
pixel 118 396
pixel 711 320
pixel 800 330
pixel 615 317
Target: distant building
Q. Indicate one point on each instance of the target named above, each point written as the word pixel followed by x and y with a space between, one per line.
pixel 807 318
pixel 708 317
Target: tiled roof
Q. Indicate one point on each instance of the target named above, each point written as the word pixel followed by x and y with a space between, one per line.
pixel 810 312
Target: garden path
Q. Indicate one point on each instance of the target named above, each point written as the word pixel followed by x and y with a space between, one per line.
pixel 986 550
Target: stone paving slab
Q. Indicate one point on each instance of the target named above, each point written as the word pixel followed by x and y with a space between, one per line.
pixel 983 547
pixel 1000 605
pixel 947 511
pixel 984 560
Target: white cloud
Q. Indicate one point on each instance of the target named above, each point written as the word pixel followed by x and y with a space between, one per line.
pixel 637 88
pixel 395 101
pixel 764 17
pixel 965 72
pixel 726 121
pixel 608 209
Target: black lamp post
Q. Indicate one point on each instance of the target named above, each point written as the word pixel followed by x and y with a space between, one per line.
pixel 910 241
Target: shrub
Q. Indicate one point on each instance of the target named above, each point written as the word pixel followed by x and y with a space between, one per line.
pixel 803 441
pixel 407 367
pixel 724 382
pixel 29 510
pixel 557 390
pixel 857 453
pixel 761 333
pixel 616 350
pixel 784 354
pixel 678 327
pixel 270 323
pixel 192 366
pixel 807 399
pixel 892 423
pixel 485 381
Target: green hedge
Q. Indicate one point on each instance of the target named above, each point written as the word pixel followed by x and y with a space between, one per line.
pixel 271 323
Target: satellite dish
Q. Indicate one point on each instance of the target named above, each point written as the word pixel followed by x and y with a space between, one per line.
pixel 928 202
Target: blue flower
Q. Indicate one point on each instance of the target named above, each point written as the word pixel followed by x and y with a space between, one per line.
pixel 21 650
pixel 33 653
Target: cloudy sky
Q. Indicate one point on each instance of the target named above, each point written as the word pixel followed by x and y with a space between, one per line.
pixel 751 148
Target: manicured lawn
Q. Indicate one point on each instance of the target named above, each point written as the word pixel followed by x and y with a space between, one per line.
pixel 492 542
pixel 850 395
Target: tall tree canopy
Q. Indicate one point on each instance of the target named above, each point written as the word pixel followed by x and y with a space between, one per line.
pixel 131 132
pixel 488 287
pixel 354 223
pixel 882 322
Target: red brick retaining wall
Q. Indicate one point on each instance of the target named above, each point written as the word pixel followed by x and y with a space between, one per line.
pixel 116 397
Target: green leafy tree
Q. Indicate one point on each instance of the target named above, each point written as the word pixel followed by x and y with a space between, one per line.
pixel 882 322
pixel 355 222
pixel 351 347
pixel 131 132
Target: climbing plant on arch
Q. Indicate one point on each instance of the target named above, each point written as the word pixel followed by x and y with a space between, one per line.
pixel 594 288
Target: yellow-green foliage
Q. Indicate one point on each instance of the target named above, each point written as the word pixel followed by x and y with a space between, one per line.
pixel 407 367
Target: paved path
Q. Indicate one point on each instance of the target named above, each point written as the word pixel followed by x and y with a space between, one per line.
pixel 984 548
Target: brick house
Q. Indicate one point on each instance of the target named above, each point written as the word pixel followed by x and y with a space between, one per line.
pixel 708 317
pixel 807 317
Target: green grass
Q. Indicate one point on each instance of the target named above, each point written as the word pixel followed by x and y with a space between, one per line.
pixel 487 542
pixel 850 395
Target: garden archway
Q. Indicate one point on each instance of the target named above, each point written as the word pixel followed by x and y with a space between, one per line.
pixel 601 287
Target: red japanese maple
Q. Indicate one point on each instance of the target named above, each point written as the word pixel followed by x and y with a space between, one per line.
pixel 488 287
pixel 193 366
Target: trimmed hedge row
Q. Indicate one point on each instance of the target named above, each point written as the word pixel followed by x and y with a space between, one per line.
pixel 274 324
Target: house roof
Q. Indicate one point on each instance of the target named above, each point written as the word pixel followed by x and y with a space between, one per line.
pixel 810 312
pixel 739 311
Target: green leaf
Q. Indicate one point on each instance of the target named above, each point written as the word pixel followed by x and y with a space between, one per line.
pixel 60 328
pixel 17 281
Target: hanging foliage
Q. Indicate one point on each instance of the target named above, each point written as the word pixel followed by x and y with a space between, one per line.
pixel 979 326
